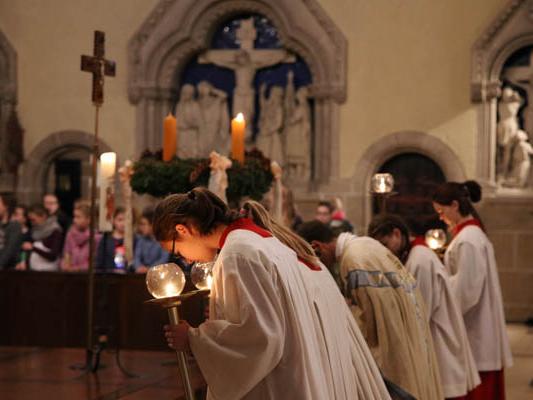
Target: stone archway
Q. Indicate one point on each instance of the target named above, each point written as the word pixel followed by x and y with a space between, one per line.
pixel 176 31
pixel 35 169
pixel 8 101
pixel 397 143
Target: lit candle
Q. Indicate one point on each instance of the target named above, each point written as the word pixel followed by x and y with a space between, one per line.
pixel 170 137
pixel 209 281
pixel 436 239
pixel 108 163
pixel 238 125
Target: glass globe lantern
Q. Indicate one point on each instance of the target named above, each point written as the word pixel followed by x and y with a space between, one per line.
pixel 436 239
pixel 382 183
pixel 165 280
pixel 202 275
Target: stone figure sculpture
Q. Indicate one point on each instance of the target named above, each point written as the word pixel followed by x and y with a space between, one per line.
pixel 298 136
pixel 269 139
pixel 507 127
pixel 189 118
pixel 245 62
pixel 520 161
pixel 218 179
pixel 214 133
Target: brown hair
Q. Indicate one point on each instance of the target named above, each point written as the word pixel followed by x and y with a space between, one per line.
pixel 261 217
pixel 38 209
pixel 384 225
pixel 464 193
pixel 84 207
pixel 199 208
pixel 205 211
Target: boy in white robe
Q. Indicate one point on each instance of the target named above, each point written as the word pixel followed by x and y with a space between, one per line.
pixel 278 327
pixel 457 367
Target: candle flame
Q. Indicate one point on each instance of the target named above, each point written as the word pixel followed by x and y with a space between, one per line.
pixel 209 281
pixel 170 290
pixel 239 117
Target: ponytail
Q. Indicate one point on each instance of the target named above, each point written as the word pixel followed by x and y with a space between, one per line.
pixel 465 194
pixel 262 218
pixel 199 208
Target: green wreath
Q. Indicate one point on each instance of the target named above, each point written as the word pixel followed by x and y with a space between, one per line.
pixel 159 178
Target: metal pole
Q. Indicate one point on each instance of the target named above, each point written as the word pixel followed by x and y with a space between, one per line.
pixel 173 316
pixel 90 286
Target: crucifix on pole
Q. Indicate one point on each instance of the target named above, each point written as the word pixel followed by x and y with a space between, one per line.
pixel 99 67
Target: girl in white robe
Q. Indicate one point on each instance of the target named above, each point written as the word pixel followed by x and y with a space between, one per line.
pixel 279 327
pixel 474 281
pixel 457 366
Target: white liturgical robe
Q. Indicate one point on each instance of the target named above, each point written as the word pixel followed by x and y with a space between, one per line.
pixel 471 264
pixel 279 328
pixel 458 371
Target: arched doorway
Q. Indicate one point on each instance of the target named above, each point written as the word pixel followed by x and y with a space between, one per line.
pixel 416 176
pixel 59 164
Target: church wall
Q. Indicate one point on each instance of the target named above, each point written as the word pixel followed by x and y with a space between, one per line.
pixel 54 95
pixel 409 69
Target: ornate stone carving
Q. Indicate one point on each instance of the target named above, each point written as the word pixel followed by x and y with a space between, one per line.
pixel 8 100
pixel 502 157
pixel 176 31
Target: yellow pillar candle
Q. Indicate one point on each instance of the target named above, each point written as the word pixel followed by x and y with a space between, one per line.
pixel 238 125
pixel 108 164
pixel 170 137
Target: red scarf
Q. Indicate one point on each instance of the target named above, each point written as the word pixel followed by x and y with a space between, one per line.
pixel 249 225
pixel 468 222
pixel 419 241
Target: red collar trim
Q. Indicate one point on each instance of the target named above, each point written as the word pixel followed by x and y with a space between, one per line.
pixel 249 225
pixel 312 267
pixel 246 224
pixel 469 222
pixel 419 241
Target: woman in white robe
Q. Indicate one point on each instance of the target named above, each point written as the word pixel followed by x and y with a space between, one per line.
pixel 474 281
pixel 278 328
pixel 457 366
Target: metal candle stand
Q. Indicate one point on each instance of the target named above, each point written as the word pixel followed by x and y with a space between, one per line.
pixel 171 304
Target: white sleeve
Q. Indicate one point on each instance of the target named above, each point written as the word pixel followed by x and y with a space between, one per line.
pixel 237 352
pixel 426 282
pixel 467 284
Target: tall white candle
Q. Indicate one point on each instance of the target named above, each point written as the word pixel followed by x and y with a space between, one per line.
pixel 108 165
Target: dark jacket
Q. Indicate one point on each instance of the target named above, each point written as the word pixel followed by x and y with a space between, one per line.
pixel 10 243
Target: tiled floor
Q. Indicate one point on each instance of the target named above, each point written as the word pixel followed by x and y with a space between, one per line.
pixel 37 373
pixel 517 378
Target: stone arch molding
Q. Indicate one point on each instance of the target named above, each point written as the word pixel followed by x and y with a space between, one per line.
pixel 33 172
pixel 511 30
pixel 403 142
pixel 177 30
pixel 8 101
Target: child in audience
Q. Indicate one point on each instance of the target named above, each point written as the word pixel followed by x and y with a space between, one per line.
pixel 20 215
pixel 111 254
pixel 47 240
pixel 148 252
pixel 76 250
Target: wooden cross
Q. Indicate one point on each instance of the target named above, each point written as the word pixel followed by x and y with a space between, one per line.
pixel 99 67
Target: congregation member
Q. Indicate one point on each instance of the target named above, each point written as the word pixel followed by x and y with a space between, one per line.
pixel 457 366
pixel 47 238
pixel 10 233
pixel 51 204
pixel 148 251
pixel 335 218
pixel 279 328
pixel 76 249
pixel 471 264
pixel 387 306
pixel 111 253
pixel 21 216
